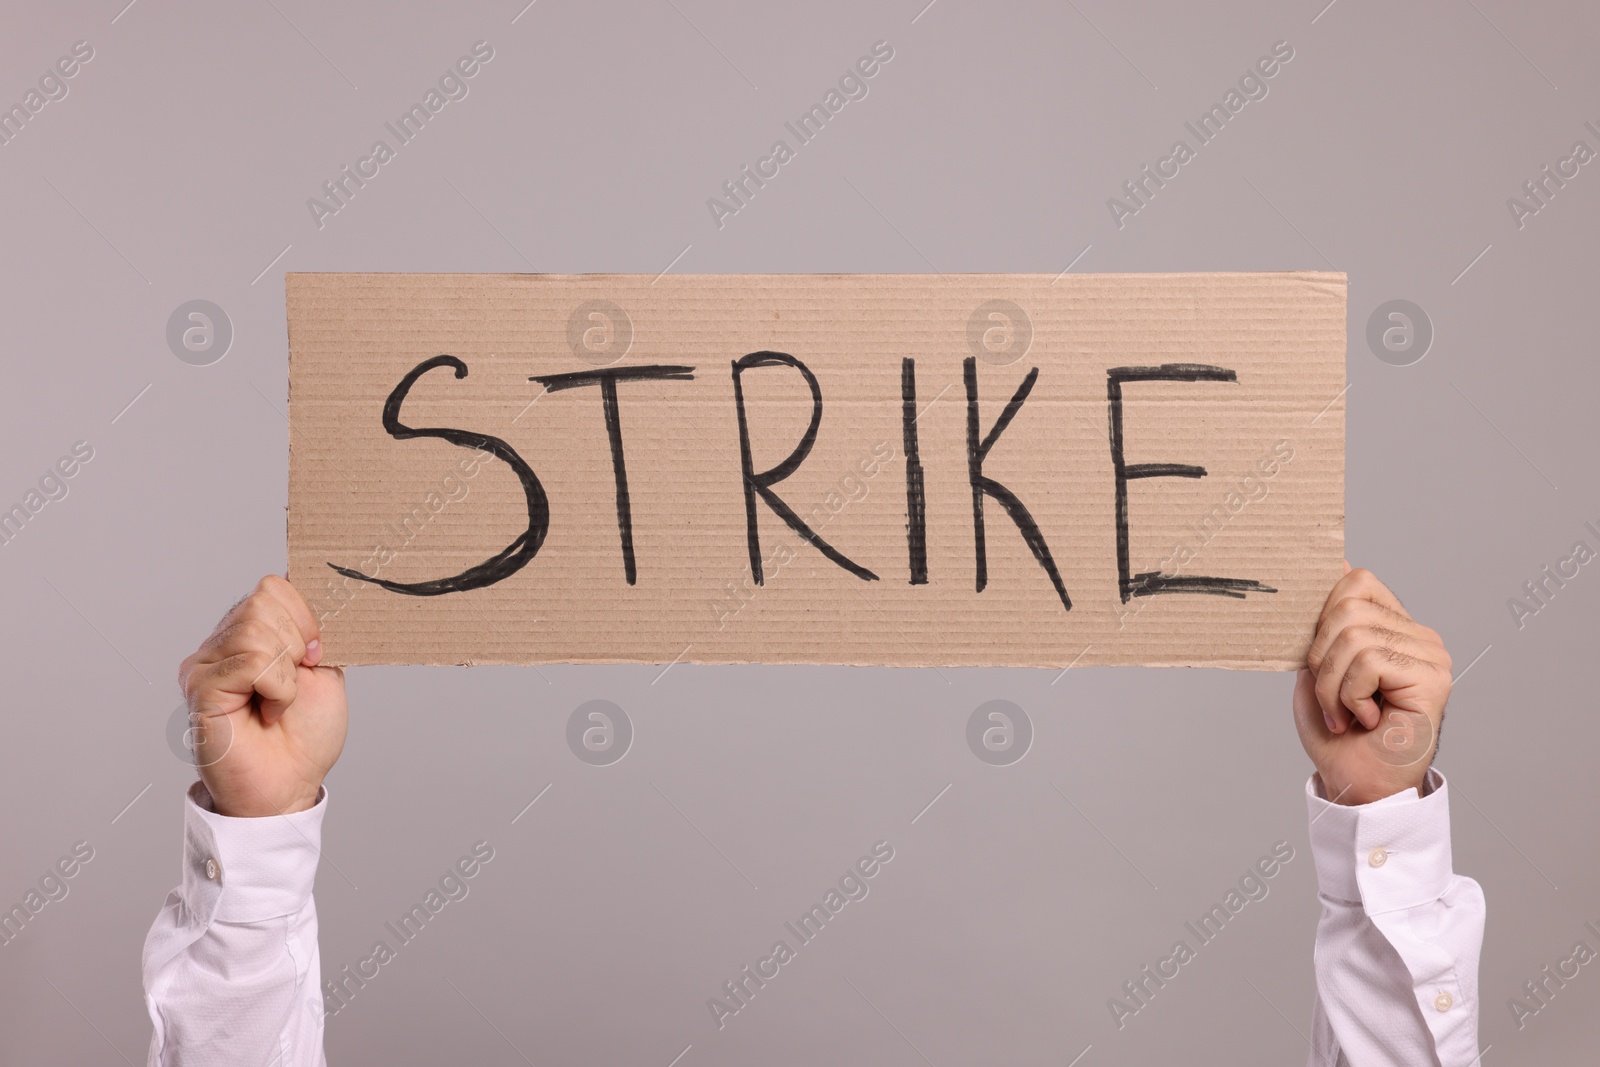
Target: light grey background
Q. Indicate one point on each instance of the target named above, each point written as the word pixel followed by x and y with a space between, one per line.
pixel 178 168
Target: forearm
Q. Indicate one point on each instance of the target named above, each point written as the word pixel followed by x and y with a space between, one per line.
pixel 231 968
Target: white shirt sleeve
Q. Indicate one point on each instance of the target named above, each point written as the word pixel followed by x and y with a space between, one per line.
pixel 1398 942
pixel 231 969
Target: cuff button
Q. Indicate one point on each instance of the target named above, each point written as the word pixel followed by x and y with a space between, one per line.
pixel 213 872
pixel 1377 857
pixel 1444 1002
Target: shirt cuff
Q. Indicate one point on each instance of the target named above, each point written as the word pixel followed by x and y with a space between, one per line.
pixel 1389 855
pixel 248 870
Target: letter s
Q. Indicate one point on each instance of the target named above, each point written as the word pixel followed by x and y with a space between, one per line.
pixel 484 851
pixel 83 50
pixel 484 51
pixel 508 560
pixel 883 851
pixel 883 50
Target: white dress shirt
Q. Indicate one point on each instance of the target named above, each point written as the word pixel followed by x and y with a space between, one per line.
pixel 1397 945
pixel 231 968
pixel 232 975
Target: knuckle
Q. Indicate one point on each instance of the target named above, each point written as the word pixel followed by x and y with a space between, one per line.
pixel 291 595
pixel 1365 602
pixel 1348 643
pixel 1354 609
pixel 253 608
pixel 1346 607
pixel 1363 635
pixel 1358 582
pixel 290 633
pixel 250 632
pixel 1363 664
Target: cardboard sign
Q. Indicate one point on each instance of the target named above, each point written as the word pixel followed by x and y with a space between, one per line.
pixel 907 470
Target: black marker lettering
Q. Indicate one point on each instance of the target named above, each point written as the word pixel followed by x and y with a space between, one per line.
pixel 762 483
pixel 508 560
pixel 607 381
pixel 1150 583
pixel 982 486
pixel 916 500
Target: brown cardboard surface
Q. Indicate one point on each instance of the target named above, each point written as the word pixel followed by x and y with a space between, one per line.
pixel 415 507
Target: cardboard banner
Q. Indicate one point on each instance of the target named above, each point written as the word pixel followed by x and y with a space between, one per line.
pixel 911 470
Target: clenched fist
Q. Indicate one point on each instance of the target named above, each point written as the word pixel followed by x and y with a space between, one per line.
pixel 268 722
pixel 1369 708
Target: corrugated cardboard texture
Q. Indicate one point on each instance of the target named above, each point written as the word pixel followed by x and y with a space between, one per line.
pixel 415 509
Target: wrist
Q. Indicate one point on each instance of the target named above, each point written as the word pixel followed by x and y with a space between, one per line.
pixel 261 805
pixel 1349 792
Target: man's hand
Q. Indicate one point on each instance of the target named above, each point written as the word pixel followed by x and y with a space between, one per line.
pixel 268 723
pixel 1368 710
